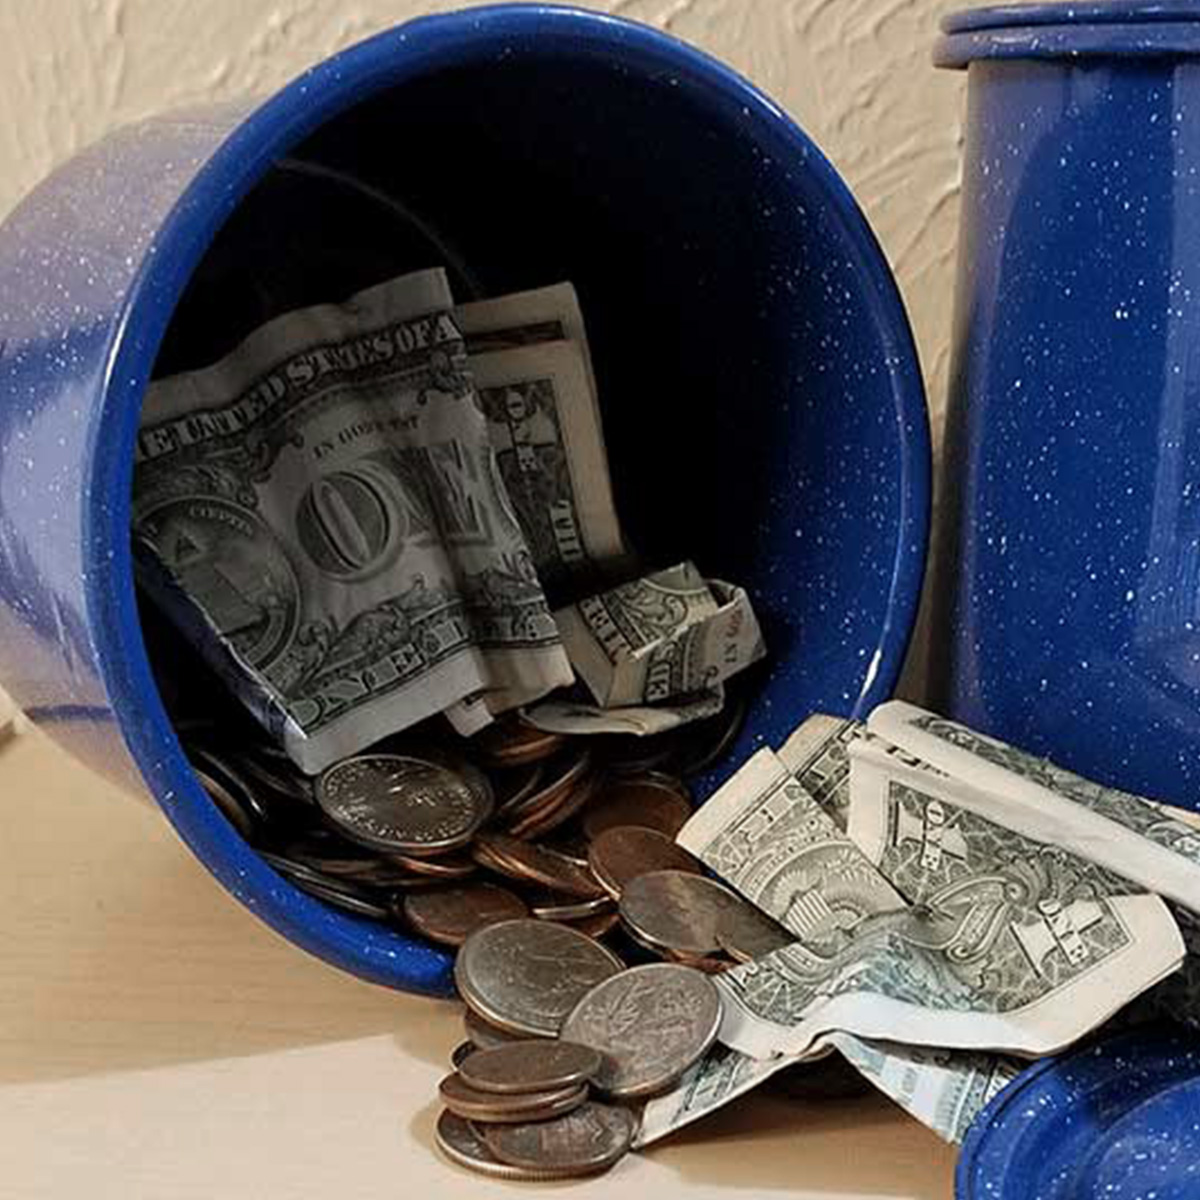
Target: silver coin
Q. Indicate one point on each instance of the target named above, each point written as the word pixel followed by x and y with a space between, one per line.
pixel 402 803
pixel 650 1024
pixel 530 1066
pixel 592 1138
pixel 463 1145
pixel 675 910
pixel 485 1035
pixel 345 899
pixel 745 933
pixel 526 975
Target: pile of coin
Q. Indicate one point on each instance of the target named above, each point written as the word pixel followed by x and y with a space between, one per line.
pixel 585 935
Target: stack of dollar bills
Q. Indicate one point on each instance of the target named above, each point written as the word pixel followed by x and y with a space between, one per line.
pixel 377 510
pixel 958 906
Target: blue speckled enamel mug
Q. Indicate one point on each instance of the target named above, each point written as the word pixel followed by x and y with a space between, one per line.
pixel 1071 567
pixel 761 394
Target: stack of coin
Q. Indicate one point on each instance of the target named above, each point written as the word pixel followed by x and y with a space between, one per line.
pixel 550 864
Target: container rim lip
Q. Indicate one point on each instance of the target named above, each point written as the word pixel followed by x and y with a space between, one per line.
pixel 240 160
pixel 1091 12
pixel 993 1136
pixel 1131 40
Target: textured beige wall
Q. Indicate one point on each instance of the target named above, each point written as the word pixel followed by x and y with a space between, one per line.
pixel 854 73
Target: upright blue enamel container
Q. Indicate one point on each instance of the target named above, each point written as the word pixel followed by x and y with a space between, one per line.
pixel 760 390
pixel 1069 573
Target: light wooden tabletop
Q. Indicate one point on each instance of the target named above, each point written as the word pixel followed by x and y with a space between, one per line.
pixel 158 1042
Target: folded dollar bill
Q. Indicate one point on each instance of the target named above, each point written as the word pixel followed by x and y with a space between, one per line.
pixel 528 356
pixel 1142 841
pixel 944 1089
pixel 976 965
pixel 577 717
pixel 668 634
pixel 322 513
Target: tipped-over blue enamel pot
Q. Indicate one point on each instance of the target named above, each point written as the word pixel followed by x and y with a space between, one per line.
pixel 1070 570
pixel 760 390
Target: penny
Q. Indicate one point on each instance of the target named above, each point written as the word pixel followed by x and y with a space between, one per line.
pixel 530 1066
pixel 652 801
pixel 402 804
pixel 526 975
pixel 746 933
pixel 510 742
pixel 541 821
pixel 485 1035
pixel 514 787
pixel 675 910
pixel 448 866
pixel 464 1146
pixel 598 926
pixel 534 864
pixel 450 914
pixel 650 1023
pixel 550 907
pixel 461 1053
pixel 228 803
pixel 559 779
pixel 474 1105
pixel 624 852
pixel 590 1139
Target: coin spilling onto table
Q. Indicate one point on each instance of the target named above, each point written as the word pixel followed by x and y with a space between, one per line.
pixel 516 849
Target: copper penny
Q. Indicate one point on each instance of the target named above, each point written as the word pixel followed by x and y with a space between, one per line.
pixel 449 915
pixel 449 866
pixel 624 852
pixel 558 780
pixel 551 816
pixel 601 925
pixel 534 864
pixel 510 742
pixel 653 801
pixel 503 1108
pixel 547 906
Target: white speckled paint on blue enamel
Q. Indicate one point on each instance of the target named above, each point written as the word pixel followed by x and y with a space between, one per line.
pixel 790 453
pixel 1072 555
pixel 1118 1119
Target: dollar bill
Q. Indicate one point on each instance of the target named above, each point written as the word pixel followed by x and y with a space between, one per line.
pixel 816 755
pixel 1137 839
pixel 322 512
pixel 528 356
pixel 943 1089
pixel 954 972
pixel 722 1075
pixel 575 717
pixel 668 634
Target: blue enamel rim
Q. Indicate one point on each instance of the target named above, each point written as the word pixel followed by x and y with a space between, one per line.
pixel 1121 29
pixel 994 1155
pixel 426 44
pixel 1096 12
